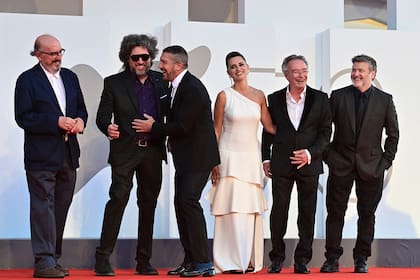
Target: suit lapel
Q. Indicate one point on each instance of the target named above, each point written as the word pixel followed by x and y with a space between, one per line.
pixel 45 83
pixel 307 107
pixel 129 89
pixel 67 86
pixel 178 93
pixel 283 108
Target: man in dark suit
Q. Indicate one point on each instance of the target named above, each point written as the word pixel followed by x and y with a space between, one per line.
pixel 360 113
pixel 125 98
pixel 192 142
pixel 50 108
pixel 303 120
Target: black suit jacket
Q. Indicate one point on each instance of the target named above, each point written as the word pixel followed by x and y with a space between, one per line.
pixel 313 133
pixel 190 128
pixel 37 112
pixel 119 102
pixel 364 153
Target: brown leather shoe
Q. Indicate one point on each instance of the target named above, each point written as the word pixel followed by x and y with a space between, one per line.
pixel 63 269
pixel 50 272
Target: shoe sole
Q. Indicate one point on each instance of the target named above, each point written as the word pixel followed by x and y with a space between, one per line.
pixel 150 273
pixel 329 271
pixel 105 273
pixel 205 274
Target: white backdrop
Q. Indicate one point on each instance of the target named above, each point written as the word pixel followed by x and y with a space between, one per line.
pixel 92 44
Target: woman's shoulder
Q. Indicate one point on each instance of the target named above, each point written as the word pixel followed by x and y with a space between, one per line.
pixel 259 94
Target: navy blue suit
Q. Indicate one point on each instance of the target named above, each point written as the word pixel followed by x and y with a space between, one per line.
pixel 50 160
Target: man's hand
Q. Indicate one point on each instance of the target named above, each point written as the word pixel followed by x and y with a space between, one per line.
pixel 267 169
pixel 66 123
pixel 78 127
pixel 113 132
pixel 300 157
pixel 143 125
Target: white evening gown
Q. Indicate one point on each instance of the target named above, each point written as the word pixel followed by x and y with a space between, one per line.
pixel 238 201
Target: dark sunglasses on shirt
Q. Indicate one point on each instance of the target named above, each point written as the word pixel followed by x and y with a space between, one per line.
pixel 136 57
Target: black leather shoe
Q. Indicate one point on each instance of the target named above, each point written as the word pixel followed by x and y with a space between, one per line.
pixel 233 271
pixel 330 265
pixel 50 272
pixel 63 269
pixel 146 269
pixel 301 268
pixel 179 269
pixel 249 269
pixel 199 269
pixel 103 267
pixel 360 265
pixel 275 267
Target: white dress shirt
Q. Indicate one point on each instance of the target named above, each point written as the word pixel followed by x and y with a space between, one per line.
pixel 58 87
pixel 175 84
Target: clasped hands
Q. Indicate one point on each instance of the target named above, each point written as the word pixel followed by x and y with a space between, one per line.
pixel 72 126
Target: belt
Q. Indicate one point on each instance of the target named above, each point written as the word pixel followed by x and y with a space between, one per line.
pixel 143 143
pixel 66 137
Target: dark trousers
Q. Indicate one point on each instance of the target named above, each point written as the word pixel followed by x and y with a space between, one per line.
pixel 368 194
pixel 51 193
pixel 307 193
pixel 146 163
pixel 189 215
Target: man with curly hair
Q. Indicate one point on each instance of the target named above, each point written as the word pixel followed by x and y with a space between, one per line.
pixel 126 97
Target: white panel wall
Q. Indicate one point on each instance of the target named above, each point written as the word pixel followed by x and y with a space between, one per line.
pixel 273 29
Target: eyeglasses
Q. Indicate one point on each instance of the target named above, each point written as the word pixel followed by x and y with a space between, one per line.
pixel 136 57
pixel 54 54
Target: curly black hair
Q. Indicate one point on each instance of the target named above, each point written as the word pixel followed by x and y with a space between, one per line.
pixel 137 40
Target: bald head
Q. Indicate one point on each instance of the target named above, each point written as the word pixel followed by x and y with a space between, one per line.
pixel 49 52
pixel 42 41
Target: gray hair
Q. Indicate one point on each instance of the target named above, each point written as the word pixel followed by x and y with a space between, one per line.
pixel 290 58
pixel 365 58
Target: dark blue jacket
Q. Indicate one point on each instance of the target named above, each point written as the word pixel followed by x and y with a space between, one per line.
pixel 37 112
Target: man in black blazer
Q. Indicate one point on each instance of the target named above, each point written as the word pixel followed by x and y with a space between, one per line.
pixel 193 144
pixel 303 120
pixel 50 108
pixel 125 98
pixel 360 113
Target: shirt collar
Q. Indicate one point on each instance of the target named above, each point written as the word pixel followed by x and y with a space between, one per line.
pixel 49 74
pixel 302 94
pixel 178 79
pixel 367 92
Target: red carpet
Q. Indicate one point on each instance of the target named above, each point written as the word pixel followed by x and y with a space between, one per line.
pixel 375 273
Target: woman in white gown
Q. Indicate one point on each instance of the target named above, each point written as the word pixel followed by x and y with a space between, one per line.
pixel 237 197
